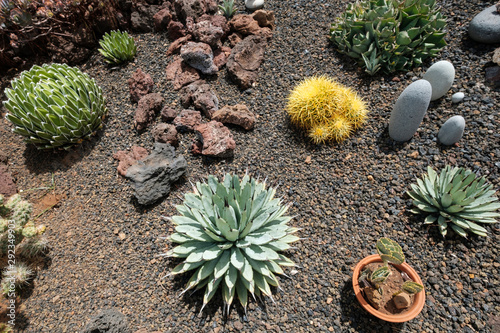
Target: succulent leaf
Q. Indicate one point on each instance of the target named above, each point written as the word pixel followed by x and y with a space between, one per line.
pixel 460 197
pixel 117 47
pixel 231 233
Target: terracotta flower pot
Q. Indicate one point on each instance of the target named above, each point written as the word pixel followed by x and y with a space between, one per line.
pixel 415 308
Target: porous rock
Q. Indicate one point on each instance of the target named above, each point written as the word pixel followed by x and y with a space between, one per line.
pixel 142 17
pixel 146 110
pixel 201 97
pixel 7 185
pixel 180 73
pixel 244 24
pixel 234 39
pixel 215 140
pixel 210 31
pixel 107 321
pixel 162 19
pixel 140 84
pixel 265 18
pixel 245 59
pixel 409 110
pixel 165 133
pixel 194 8
pixel 221 55
pixel 187 120
pixel 440 75
pixel 129 158
pixel 238 114
pixel 485 26
pixel 176 45
pixel 199 56
pixel 176 30
pixel 152 177
pixel 452 130
pixel 168 114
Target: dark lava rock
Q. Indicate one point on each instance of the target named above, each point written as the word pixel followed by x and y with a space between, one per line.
pixel 147 108
pixel 152 177
pixel 194 8
pixel 245 60
pixel 107 321
pixel 215 140
pixel 140 84
pixel 199 56
pixel 238 114
pixel 142 17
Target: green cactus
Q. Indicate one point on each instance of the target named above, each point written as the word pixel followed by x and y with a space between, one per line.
pixel 390 251
pixel 389 35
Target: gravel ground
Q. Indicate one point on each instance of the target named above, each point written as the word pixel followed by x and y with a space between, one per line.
pixel 103 245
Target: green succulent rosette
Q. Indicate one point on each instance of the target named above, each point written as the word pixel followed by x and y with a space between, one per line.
pixel 117 47
pixel 55 106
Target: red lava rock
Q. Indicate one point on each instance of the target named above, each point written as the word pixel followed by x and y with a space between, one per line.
pixel 245 59
pixel 216 20
pixel 238 114
pixel 208 33
pixel 7 185
pixel 201 97
pixel 147 108
pixel 234 39
pixel 128 159
pixel 265 18
pixel 162 19
pixel 215 140
pixel 165 133
pixel 181 73
pixel 140 84
pixel 176 45
pixel 168 114
pixel 221 55
pixel 176 30
pixel 244 24
pixel 187 120
pixel 199 56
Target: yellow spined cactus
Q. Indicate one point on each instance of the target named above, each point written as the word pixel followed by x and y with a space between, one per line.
pixel 328 110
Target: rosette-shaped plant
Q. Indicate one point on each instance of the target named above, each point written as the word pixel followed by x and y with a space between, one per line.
pixel 117 47
pixel 456 195
pixel 326 109
pixel 389 35
pixel 230 233
pixel 227 8
pixel 55 106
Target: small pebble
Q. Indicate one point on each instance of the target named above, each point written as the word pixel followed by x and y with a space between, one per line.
pixel 457 97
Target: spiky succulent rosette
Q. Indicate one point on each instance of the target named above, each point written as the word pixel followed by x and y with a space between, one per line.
pixel 458 196
pixel 328 110
pixel 230 233
pixel 117 47
pixel 55 106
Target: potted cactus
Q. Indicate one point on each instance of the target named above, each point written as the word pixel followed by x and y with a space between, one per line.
pixel 386 286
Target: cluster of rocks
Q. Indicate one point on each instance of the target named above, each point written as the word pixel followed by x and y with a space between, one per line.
pixel 110 321
pixel 204 42
pixel 412 104
pixel 152 175
pixel 485 28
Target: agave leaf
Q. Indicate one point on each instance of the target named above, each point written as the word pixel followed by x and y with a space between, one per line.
pixel 237 258
pixel 211 253
pixel 185 267
pixel 210 290
pixel 255 252
pixel 458 230
pixel 242 293
pixel 222 265
pixel 447 199
pixel 179 238
pixel 430 219
pixel 442 225
pixel 262 284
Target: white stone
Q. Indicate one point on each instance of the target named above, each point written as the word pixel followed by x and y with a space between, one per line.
pixel 440 76
pixel 409 110
pixel 457 97
pixel 452 130
pixel 254 4
pixel 496 56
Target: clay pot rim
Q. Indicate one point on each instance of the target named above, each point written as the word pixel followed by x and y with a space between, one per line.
pixel 418 302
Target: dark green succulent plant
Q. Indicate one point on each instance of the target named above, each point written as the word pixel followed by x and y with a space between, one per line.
pixel 230 233
pixel 227 8
pixel 389 35
pixel 55 106
pixel 117 47
pixel 456 195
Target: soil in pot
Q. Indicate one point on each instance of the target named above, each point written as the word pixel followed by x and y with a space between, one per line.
pixel 385 303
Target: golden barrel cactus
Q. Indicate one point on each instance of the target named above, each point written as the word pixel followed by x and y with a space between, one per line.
pixel 326 109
